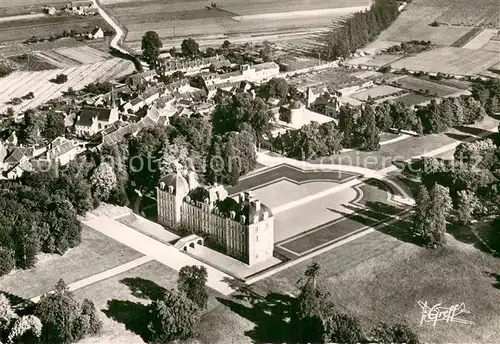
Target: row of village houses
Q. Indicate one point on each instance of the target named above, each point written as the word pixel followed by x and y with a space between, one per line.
pixel 142 102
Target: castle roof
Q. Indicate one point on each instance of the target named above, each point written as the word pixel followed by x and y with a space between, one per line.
pixel 179 183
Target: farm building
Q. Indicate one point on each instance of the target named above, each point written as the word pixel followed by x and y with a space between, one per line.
pixel 257 73
pixel 97 33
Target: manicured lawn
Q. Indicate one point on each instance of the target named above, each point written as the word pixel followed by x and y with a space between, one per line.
pixel 122 301
pixel 124 297
pixel 379 278
pixel 96 253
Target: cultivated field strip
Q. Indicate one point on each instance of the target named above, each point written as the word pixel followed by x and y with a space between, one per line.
pixel 57 60
pixel 83 54
pixel 18 84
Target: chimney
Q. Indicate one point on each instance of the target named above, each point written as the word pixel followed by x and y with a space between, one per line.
pixel 242 197
pixel 266 215
pixel 256 203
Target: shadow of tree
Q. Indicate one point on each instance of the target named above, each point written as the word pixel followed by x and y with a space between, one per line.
pixel 378 213
pixel 473 130
pixel 270 315
pixel 144 289
pixel 495 284
pixel 459 137
pixel 484 236
pixel 133 315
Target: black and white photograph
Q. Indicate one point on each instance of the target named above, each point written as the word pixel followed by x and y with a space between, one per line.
pixel 249 171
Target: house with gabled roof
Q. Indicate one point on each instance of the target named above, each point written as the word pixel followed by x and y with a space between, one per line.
pixel 91 120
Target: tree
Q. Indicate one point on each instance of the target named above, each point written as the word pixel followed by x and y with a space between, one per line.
pixel 7 262
pixel 429 219
pixel 344 328
pixel 60 79
pixel 347 125
pixel 151 45
pixel 173 52
pixel 26 329
pixel 58 313
pixel 103 180
pixel 226 44
pixel 306 313
pixel 481 153
pixel 90 318
pixel 388 334
pixel 210 52
pixel 29 132
pixel 467 203
pixel 265 53
pixel 7 314
pixel 177 158
pixel 274 88
pixel 173 318
pixel 370 139
pixel 54 125
pixel 191 282
pixel 190 48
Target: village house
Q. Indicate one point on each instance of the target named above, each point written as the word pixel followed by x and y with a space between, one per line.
pixel 189 66
pixel 91 120
pixel 97 33
pixel 84 7
pixel 255 73
pixel 60 151
pixel 140 79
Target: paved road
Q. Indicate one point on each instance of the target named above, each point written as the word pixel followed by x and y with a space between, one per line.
pixel 118 37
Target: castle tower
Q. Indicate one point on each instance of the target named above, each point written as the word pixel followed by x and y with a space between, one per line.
pixel 170 195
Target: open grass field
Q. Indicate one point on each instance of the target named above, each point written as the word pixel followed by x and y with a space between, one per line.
pixel 39 82
pixel 375 92
pixel 448 60
pixel 379 278
pixel 373 60
pixel 18 7
pixel 121 301
pixel 96 253
pixel 484 13
pixel 416 84
pixel 178 18
pixel 413 99
pixel 481 39
pixel 21 30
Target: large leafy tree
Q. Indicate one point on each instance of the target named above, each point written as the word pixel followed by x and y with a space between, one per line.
pixel 190 48
pixel 62 317
pixel 431 210
pixel 173 318
pixel 398 333
pixel 151 45
pixel 370 137
pixel 103 180
pixel 274 88
pixel 233 113
pixel 191 282
pixel 54 125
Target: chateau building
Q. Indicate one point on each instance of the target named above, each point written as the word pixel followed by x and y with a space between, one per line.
pixel 243 226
